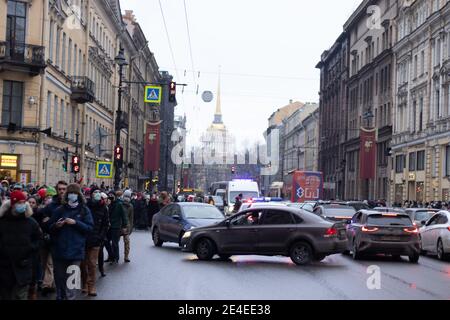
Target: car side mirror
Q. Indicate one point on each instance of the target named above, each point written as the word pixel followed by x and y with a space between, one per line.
pixel 176 217
pixel 227 223
pixel 423 223
pixel 349 221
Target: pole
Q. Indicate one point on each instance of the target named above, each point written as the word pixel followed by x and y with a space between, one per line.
pixel 166 161
pixel 77 134
pixel 118 164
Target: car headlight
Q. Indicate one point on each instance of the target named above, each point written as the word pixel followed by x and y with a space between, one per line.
pixel 187 234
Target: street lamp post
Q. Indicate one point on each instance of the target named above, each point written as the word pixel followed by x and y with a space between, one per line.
pixel 121 62
pixel 77 135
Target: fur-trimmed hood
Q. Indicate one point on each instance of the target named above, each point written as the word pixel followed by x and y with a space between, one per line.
pixel 6 206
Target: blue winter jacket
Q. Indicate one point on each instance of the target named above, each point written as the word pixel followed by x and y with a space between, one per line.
pixel 69 241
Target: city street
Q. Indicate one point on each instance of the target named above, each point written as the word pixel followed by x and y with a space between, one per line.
pixel 168 273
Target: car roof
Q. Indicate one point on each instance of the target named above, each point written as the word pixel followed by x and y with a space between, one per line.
pixel 371 212
pixel 336 205
pixel 422 209
pixel 190 204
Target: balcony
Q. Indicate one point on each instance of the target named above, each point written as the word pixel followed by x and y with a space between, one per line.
pixel 22 57
pixel 83 89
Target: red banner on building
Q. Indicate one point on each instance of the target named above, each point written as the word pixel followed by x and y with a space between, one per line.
pixel 367 154
pixel 152 147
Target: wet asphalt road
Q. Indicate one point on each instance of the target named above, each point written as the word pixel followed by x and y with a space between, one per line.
pixel 167 273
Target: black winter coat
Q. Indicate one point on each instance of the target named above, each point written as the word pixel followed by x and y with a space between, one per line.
pixel 100 214
pixel 19 241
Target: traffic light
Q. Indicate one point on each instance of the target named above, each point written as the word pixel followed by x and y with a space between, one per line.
pixel 65 159
pixel 118 154
pixel 75 164
pixel 233 169
pixel 172 91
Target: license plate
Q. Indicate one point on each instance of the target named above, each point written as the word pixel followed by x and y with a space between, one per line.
pixel 342 233
pixel 390 238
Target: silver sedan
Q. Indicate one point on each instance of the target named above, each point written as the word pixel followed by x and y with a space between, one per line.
pixel 435 235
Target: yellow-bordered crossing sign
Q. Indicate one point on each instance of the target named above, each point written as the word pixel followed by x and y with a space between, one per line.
pixel 104 170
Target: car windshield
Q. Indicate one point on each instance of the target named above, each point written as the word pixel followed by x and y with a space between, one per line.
pixel 423 215
pixel 245 195
pixel 218 200
pixel 358 206
pixel 389 220
pixel 202 212
pixel 341 212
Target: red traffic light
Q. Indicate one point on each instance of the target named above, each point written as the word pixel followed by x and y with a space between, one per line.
pixel 118 153
pixel 76 164
pixel 172 91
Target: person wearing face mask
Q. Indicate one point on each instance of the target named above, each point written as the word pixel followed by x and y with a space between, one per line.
pixel 53 200
pixel 94 242
pixel 130 215
pixel 33 201
pixel 119 224
pixel 19 241
pixel 69 227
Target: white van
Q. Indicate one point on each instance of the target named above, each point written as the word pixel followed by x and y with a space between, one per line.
pixel 248 188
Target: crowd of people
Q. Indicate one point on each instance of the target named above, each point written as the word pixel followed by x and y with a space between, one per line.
pixel 47 233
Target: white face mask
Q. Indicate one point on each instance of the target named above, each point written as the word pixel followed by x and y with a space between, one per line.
pixel 72 197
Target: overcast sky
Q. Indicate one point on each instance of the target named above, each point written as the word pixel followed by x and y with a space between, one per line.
pixel 267 51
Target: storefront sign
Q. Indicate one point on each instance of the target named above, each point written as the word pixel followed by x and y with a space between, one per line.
pixel 9 161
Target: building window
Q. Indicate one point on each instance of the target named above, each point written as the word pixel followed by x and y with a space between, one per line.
pixel 447 161
pixel 15 26
pixel 421 160
pixel 58 46
pixel 412 161
pixel 12 103
pixel 50 45
pixel 49 110
pixel 399 163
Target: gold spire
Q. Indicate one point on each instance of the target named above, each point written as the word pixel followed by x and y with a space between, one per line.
pixel 218 106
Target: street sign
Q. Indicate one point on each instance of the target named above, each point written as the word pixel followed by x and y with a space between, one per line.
pixel 153 94
pixel 104 170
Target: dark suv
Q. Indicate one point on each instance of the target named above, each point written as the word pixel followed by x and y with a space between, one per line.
pixel 269 231
pixel 371 232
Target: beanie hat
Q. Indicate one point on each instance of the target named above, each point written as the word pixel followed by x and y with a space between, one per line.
pixel 73 188
pixel 104 196
pixel 51 191
pixel 127 194
pixel 42 193
pixel 17 196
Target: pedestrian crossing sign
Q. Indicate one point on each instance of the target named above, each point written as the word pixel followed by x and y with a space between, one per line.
pixel 104 170
pixel 153 94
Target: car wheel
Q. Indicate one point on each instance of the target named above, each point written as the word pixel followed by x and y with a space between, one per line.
pixel 355 253
pixel 414 258
pixel 224 257
pixel 157 238
pixel 204 249
pixel 396 257
pixel 440 251
pixel 301 253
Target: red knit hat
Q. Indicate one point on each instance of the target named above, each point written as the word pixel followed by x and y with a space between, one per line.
pixel 17 196
pixel 42 193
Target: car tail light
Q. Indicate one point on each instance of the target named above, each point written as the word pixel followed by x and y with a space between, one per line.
pixel 448 228
pixel 411 230
pixel 331 232
pixel 369 229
